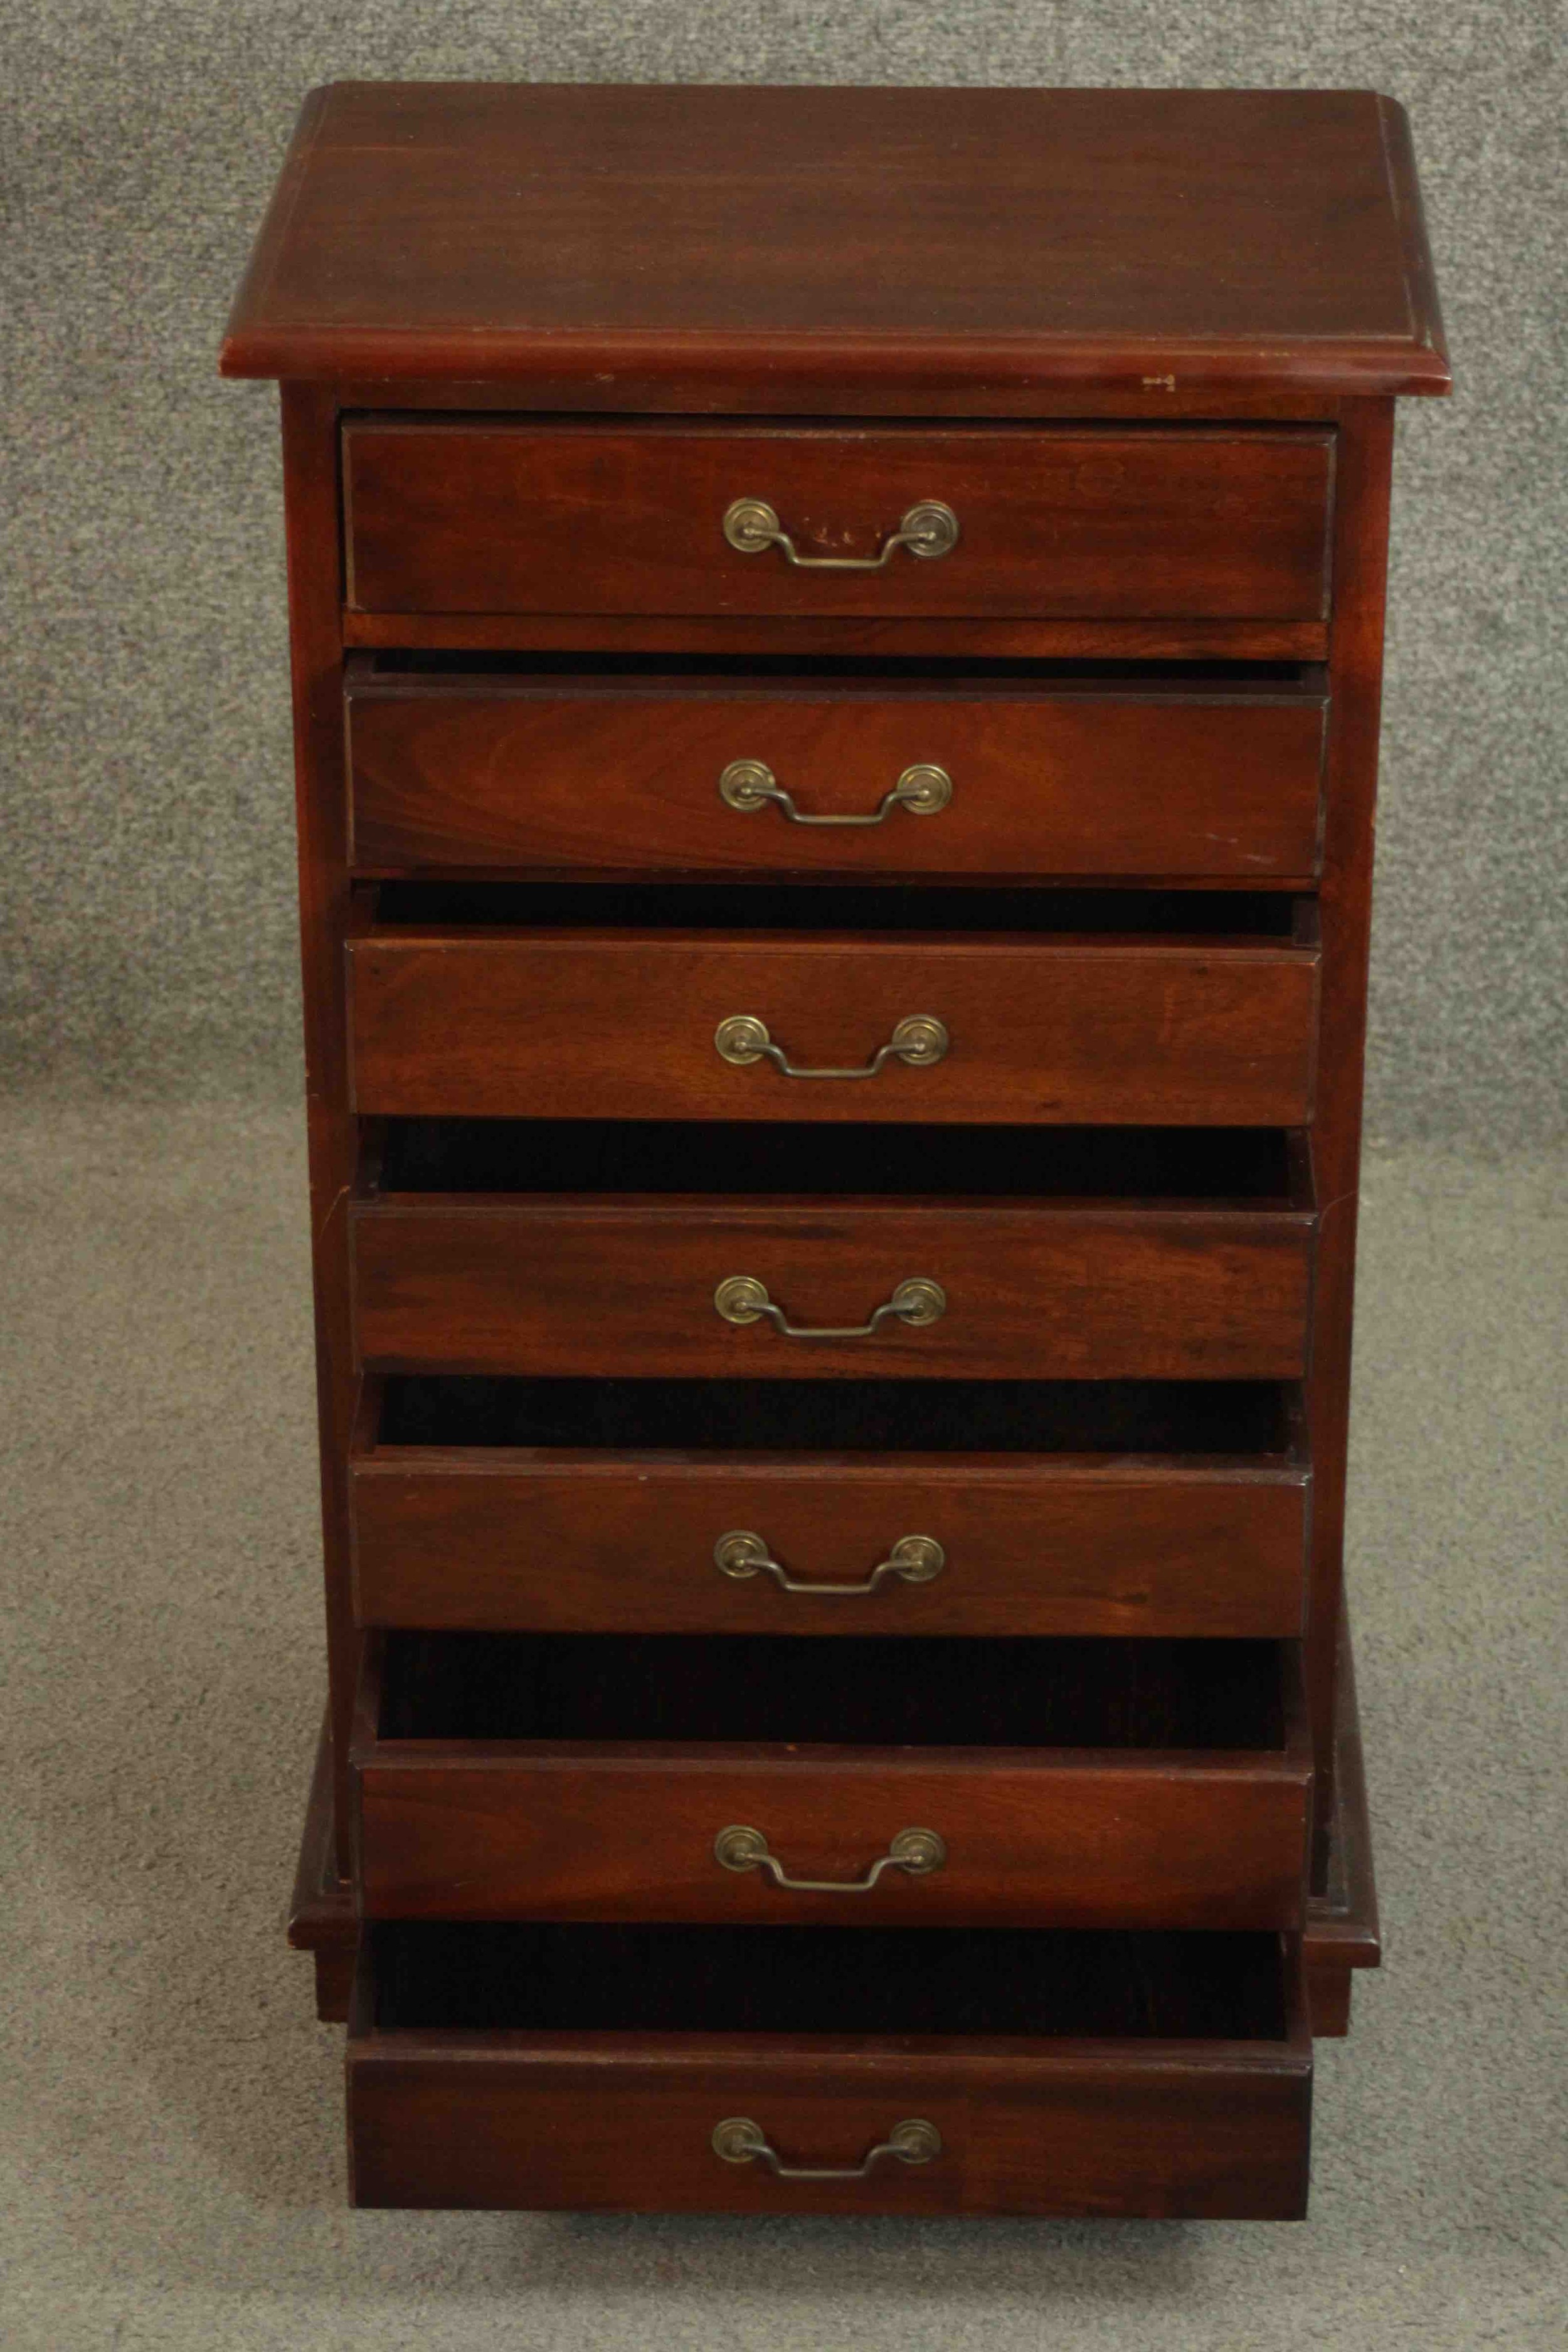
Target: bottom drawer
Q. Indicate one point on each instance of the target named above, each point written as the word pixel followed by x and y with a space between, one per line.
pixel 800 2070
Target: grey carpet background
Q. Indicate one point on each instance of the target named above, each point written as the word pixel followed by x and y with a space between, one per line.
pixel 146 879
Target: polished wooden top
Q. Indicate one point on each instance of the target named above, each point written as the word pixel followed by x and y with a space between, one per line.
pixel 1265 239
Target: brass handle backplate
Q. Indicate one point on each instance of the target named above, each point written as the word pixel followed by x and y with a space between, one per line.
pixel 916 1558
pixel 927 529
pixel 920 1040
pixel 742 1298
pixel 738 2140
pixel 918 1852
pixel 748 784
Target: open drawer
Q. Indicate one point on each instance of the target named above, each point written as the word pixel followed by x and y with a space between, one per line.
pixel 591 1249
pixel 852 1506
pixel 813 2071
pixel 829 1002
pixel 473 762
pixel 739 1780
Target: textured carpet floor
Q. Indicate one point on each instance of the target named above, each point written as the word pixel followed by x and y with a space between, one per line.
pixel 171 2117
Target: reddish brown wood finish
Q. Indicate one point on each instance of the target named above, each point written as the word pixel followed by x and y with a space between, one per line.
pixel 1036 2126
pixel 1170 281
pixel 913 242
pixel 492 516
pixel 471 773
pixel 623 1829
pixel 569 1287
pixel 674 390
pixel 321 1916
pixel 1329 2002
pixel 621 1025
pixel 1343 1933
pixel 1084 1839
pixel 537 1540
pixel 310 514
pixel 1344 904
pixel 799 636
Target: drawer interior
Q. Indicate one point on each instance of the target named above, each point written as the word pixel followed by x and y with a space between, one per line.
pixel 925 674
pixel 1027 1692
pixel 434 1975
pixel 826 904
pixel 1168 1164
pixel 1122 1418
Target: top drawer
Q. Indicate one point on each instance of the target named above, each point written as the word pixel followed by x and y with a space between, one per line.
pixel 1108 522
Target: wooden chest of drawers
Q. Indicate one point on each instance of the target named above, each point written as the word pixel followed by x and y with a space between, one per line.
pixel 837 647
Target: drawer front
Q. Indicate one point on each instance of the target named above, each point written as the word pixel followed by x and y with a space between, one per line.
pixel 1173 2079
pixel 487 516
pixel 507 1538
pixel 565 1287
pixel 628 1026
pixel 470 774
pixel 1090 1838
pixel 1153 2130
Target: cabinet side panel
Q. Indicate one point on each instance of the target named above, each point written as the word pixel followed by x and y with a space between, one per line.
pixel 315 635
pixel 1355 679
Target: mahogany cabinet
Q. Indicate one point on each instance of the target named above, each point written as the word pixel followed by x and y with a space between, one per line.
pixel 836 645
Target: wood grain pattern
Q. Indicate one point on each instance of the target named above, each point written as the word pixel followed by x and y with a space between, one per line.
pixel 499 516
pixel 910 242
pixel 1048 2125
pixel 617 1828
pixel 1042 1292
pixel 1078 779
pixel 1153 2130
pixel 1134 1032
pixel 1035 1544
pixel 1341 1932
pixel 1068 1841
